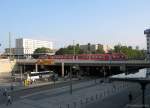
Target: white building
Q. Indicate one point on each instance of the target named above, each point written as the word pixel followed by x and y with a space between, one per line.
pixel 147 33
pixel 28 46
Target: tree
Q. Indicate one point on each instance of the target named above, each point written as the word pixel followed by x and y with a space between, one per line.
pixel 100 50
pixel 78 50
pixel 70 50
pixel 129 51
pixel 42 50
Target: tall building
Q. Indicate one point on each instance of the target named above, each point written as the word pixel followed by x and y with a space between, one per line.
pixel 28 46
pixel 147 33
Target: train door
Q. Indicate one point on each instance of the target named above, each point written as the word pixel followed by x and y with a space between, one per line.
pixel 107 56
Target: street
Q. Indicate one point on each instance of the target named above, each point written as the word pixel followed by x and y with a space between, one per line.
pixel 86 94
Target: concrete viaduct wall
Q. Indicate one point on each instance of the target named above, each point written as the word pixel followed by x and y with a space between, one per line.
pixel 6 67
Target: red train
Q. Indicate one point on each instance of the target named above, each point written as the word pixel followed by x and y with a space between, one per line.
pixel 103 57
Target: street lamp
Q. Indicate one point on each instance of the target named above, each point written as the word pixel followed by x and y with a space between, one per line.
pixel 70 80
pixel 0 46
pixel 110 59
pixel 104 73
pixel 71 69
pixel 74 50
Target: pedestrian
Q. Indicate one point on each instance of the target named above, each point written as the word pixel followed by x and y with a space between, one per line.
pixel 101 81
pixel 11 87
pixel 9 100
pixel 5 92
pixel 130 97
pixel 114 87
pixel 1 92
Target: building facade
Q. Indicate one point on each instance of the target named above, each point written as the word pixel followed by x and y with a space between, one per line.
pixel 90 47
pixel 107 48
pixel 10 51
pixel 28 46
pixel 147 33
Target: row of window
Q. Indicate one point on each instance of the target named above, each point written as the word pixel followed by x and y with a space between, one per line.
pixel 83 57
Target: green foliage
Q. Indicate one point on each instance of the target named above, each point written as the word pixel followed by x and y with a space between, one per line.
pixel 70 50
pixel 100 50
pixel 129 51
pixel 42 50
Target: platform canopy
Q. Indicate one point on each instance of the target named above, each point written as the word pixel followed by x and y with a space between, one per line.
pixel 142 76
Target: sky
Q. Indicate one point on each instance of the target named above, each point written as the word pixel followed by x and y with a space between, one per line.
pixel 106 22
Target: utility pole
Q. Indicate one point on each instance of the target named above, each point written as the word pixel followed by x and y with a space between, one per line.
pixel 10 57
pixel 9 45
pixel 70 79
pixel 0 46
pixel 74 50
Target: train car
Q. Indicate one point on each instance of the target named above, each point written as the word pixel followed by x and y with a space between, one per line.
pixel 63 57
pixel 90 57
pixel 102 57
pixel 118 56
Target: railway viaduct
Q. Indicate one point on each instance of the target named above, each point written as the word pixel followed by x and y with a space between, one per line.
pixel 64 65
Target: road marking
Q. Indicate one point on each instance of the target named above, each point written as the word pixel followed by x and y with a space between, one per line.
pixel 45 91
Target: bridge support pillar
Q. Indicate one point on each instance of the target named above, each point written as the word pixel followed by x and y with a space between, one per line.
pixel 62 69
pixel 21 73
pixel 123 68
pixel 104 73
pixel 36 67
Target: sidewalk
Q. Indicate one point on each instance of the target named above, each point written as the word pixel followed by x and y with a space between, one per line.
pixel 137 103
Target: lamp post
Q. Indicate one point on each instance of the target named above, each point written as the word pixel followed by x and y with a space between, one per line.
pixel 110 59
pixel 9 45
pixel 74 50
pixel 104 73
pixel 72 68
pixel 0 46
pixel 70 80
